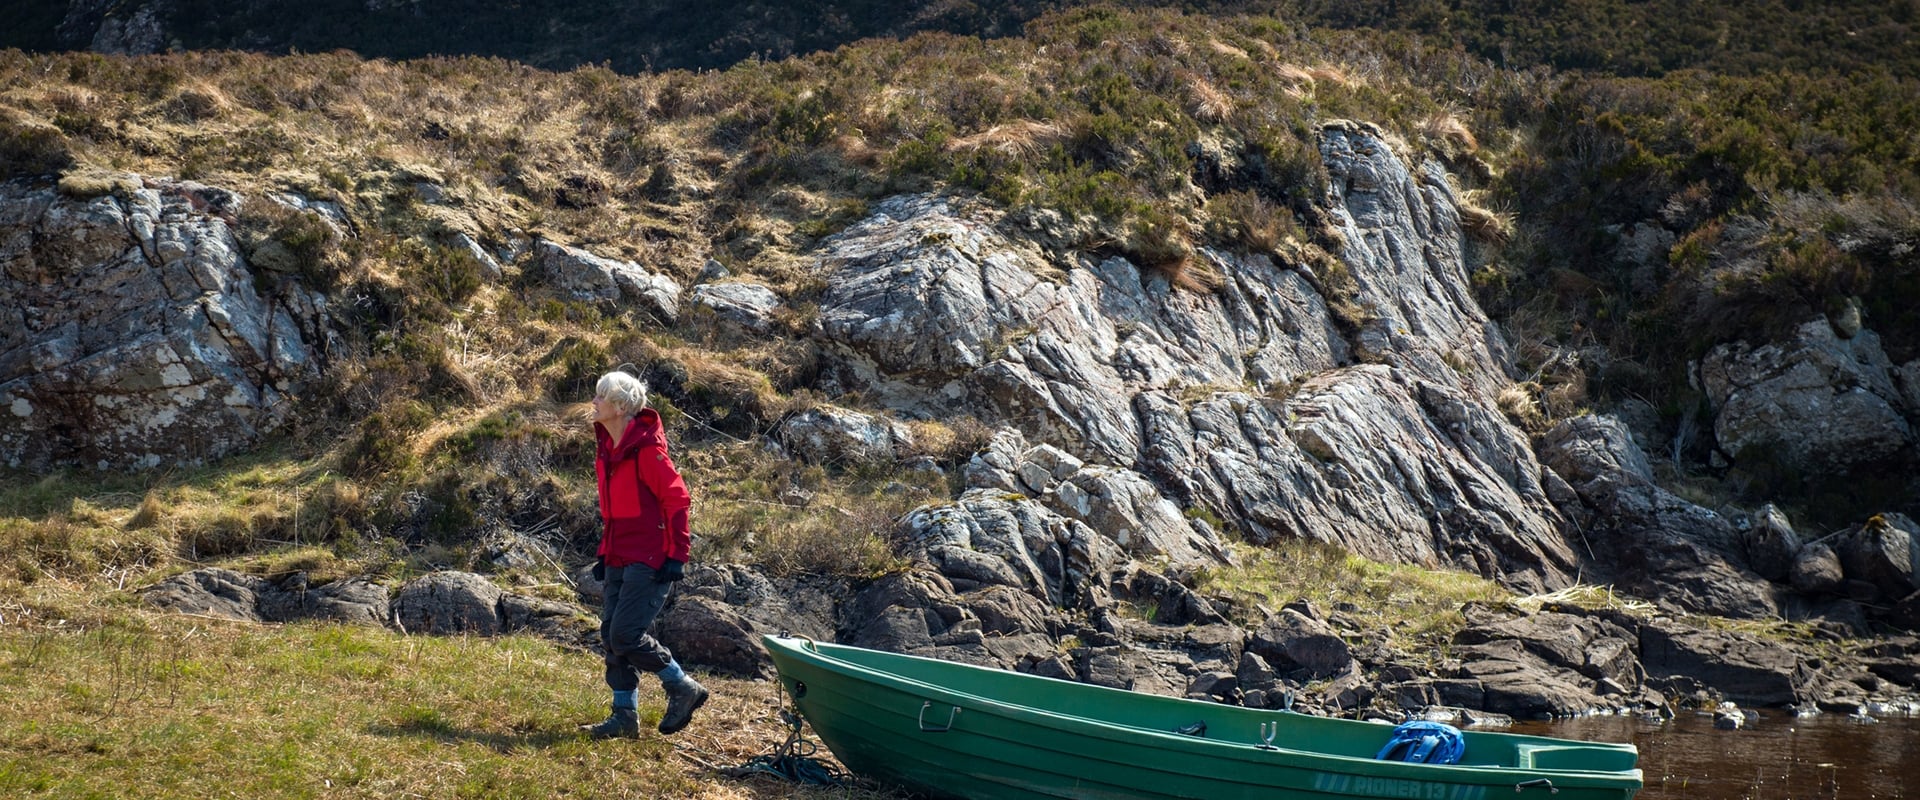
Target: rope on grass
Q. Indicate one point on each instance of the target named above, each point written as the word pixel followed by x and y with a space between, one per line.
pixel 793 759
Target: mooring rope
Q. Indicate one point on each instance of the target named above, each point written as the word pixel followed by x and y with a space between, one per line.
pixel 793 758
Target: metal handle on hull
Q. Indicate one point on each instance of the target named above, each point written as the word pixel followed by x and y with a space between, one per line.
pixel 1268 730
pixel 923 718
pixel 1536 783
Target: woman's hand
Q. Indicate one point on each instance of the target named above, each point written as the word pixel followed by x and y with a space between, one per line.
pixel 670 571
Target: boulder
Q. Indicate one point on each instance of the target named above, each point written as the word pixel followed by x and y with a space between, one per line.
pixel 221 592
pixel 350 600
pixel 1742 668
pixel 134 334
pixel 1510 679
pixel 1883 553
pixel 746 308
pixel 1814 403
pixel 830 435
pixel 716 616
pixel 1146 671
pixel 561 622
pixel 1770 543
pixel 1291 640
pixel 1599 649
pixel 448 602
pixel 1817 570
pixel 704 631
pixel 589 277
pixel 211 591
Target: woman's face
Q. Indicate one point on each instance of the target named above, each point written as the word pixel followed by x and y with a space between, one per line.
pixel 605 412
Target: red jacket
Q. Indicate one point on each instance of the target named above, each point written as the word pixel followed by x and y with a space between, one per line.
pixel 643 501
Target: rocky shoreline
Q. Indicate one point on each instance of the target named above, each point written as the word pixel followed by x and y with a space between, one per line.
pixel 1508 662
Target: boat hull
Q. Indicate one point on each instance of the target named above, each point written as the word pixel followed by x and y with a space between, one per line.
pixel 953 730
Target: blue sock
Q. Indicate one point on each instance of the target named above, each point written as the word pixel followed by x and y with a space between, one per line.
pixel 672 674
pixel 626 700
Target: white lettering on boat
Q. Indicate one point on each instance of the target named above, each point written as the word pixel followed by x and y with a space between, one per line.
pixel 1367 786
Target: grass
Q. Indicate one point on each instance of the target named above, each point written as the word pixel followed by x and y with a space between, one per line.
pixel 145 705
pixel 1412 607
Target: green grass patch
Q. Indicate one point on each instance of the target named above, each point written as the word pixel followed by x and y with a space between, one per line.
pixel 166 706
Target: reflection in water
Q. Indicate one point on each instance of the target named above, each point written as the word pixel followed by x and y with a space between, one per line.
pixel 1826 757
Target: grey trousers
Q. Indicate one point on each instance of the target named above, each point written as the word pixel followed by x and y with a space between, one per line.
pixel 633 601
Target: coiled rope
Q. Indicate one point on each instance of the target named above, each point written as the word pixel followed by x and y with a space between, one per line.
pixel 793 759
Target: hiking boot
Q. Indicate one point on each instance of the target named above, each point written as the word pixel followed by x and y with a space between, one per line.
pixel 623 724
pixel 684 696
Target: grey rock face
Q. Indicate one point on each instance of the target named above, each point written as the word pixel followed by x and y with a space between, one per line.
pixel 590 277
pixel 1404 247
pixel 1658 545
pixel 829 435
pixel 133 333
pixel 1744 668
pixel 744 307
pixel 932 306
pixel 1817 402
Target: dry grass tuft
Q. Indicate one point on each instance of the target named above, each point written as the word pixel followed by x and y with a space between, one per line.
pixel 1205 102
pixel 1483 224
pixel 1518 404
pixel 1450 137
pixel 1022 138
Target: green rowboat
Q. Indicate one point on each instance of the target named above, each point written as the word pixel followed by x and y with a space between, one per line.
pixel 955 730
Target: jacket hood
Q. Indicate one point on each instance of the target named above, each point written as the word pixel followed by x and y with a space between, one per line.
pixel 642 431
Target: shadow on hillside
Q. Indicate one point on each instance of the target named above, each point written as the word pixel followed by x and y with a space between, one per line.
pixel 498 742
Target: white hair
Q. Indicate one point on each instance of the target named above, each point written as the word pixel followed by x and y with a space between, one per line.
pixel 628 394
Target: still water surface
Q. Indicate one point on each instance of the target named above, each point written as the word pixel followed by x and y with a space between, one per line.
pixel 1826 757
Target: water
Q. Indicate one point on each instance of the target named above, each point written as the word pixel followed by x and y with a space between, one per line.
pixel 1826 757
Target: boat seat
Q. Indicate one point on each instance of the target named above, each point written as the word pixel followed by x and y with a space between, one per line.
pixel 1546 756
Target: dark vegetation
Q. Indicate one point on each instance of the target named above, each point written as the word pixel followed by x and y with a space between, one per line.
pixel 1619 37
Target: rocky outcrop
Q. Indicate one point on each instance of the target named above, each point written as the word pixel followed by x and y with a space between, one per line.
pixel 448 602
pixel 932 309
pixel 437 603
pixel 133 331
pixel 1401 233
pixel 586 276
pixel 717 615
pixel 842 437
pixel 743 307
pixel 225 593
pixel 1653 543
pixel 1815 403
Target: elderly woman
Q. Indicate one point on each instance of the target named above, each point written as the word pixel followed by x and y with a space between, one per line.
pixel 644 543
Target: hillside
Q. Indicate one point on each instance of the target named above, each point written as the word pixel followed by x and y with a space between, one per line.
pixel 1609 36
pixel 1044 351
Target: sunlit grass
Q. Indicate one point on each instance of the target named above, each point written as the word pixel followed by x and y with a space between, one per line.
pixel 1412 605
pixel 146 705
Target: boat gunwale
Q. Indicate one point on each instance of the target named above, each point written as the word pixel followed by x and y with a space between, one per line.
pixel 1247 752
